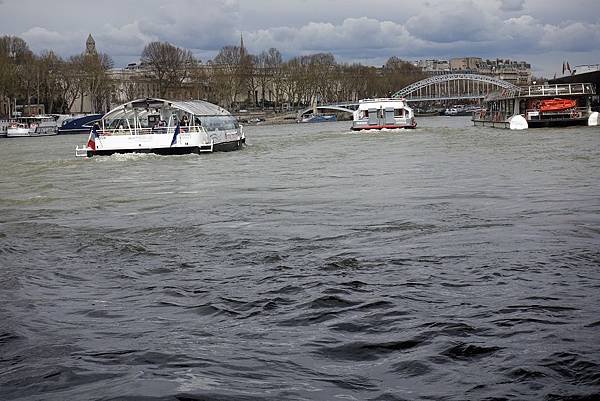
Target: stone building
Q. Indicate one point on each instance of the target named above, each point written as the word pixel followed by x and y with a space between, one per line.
pixel 464 64
pixel 515 72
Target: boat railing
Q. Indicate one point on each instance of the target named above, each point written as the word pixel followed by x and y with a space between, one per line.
pixel 151 131
pixel 556 90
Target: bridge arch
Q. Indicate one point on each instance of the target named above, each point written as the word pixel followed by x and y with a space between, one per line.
pixel 346 108
pixel 452 86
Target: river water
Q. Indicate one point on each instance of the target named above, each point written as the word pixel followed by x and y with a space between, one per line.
pixel 449 262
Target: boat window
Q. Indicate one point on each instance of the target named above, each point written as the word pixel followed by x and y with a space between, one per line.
pixel 212 123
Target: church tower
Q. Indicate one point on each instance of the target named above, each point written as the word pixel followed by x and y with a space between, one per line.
pixel 90 45
pixel 242 48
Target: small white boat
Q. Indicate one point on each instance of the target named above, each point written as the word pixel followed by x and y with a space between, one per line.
pixel 32 126
pixel 164 127
pixel 319 118
pixel 384 113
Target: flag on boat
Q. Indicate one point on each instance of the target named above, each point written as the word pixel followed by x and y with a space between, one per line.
pixel 92 140
pixel 175 134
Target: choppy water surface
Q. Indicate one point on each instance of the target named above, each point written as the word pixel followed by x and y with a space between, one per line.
pixel 445 263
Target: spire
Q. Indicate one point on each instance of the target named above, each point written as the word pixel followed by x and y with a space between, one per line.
pixel 90 45
pixel 242 48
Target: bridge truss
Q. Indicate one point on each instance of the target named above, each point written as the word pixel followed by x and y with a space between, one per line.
pixel 452 87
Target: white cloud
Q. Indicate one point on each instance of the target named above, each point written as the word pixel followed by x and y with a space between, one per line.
pixel 574 37
pixel 41 39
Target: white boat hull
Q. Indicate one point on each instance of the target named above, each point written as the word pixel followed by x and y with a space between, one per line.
pixel 186 142
pixel 17 132
pixel 28 132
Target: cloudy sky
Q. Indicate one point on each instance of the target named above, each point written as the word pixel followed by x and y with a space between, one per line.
pixel 542 32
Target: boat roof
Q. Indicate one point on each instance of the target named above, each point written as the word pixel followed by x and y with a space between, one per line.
pixel 398 102
pixel 195 107
pixel 542 91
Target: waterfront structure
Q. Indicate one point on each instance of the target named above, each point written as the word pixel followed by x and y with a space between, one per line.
pixel 538 106
pixel 164 127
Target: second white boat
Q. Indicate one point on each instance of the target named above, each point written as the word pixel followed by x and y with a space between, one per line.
pixel 384 113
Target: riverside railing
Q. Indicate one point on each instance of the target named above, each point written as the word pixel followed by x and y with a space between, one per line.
pixel 556 90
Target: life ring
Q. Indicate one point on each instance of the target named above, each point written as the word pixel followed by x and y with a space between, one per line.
pixel 575 114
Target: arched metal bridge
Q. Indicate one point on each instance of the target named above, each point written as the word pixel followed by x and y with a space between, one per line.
pixel 439 88
pixel 452 87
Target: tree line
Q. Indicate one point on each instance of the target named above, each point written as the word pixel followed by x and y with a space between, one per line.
pixel 27 78
pixel 233 79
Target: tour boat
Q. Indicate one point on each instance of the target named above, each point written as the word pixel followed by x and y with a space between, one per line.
pixel 319 118
pixel 32 126
pixel 384 113
pixel 164 127
pixel 81 124
pixel 538 106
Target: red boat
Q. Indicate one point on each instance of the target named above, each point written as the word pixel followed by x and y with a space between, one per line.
pixel 557 104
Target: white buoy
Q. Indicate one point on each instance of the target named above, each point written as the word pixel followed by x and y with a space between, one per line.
pixel 518 122
pixel 593 119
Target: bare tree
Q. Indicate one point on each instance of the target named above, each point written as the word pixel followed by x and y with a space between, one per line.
pixel 229 74
pixel 268 70
pixel 98 84
pixel 170 65
pixel 397 74
pixel 72 82
pixel 49 66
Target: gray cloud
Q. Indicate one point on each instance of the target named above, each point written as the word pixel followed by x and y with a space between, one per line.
pixel 512 5
pixel 351 29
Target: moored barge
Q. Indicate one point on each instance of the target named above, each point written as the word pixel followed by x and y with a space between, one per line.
pixel 538 106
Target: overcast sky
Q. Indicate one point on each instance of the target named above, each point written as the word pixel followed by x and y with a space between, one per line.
pixel 542 32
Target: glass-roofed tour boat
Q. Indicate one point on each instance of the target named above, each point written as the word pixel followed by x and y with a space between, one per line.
pixel 164 127
pixel 383 113
pixel 538 106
